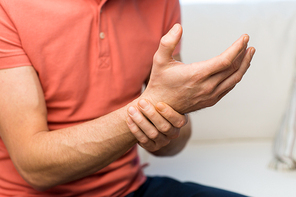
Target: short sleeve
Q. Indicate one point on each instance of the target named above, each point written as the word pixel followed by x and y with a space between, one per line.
pixel 11 51
pixel 173 16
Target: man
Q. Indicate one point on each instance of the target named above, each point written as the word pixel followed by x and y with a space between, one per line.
pixel 71 74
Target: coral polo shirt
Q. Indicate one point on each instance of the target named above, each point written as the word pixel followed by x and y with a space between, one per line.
pixel 92 58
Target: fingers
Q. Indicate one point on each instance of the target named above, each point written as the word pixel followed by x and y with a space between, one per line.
pixel 150 126
pixel 235 49
pixel 227 58
pixel 143 140
pixel 236 77
pixel 225 81
pixel 167 45
pixel 217 78
pixel 144 131
pixel 176 119
pixel 161 124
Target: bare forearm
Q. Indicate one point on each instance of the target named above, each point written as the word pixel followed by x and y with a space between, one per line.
pixel 176 145
pixel 68 154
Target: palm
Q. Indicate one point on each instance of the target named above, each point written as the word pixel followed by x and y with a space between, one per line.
pixel 189 87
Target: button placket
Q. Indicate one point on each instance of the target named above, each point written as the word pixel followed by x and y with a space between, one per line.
pixel 104 55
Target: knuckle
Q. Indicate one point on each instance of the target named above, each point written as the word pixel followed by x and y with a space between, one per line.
pixel 154 148
pixel 196 75
pixel 237 78
pixel 213 100
pixel 151 114
pixel 144 140
pixel 208 89
pixel 165 128
pixel 176 135
pixel 210 102
pixel 225 62
pixel 181 123
pixel 140 121
pixel 154 135
pixel 168 114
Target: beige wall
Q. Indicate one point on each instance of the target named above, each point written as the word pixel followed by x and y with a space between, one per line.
pixel 255 107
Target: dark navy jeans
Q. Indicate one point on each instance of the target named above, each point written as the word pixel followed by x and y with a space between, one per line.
pixel 168 187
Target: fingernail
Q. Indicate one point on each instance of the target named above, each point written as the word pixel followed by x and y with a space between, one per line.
pixel 160 107
pixel 175 29
pixel 143 103
pixel 132 110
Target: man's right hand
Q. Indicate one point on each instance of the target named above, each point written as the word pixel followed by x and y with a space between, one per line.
pixel 190 87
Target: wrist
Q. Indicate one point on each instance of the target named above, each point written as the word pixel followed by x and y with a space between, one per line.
pixel 147 96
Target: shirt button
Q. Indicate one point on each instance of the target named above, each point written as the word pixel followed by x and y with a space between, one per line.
pixel 102 35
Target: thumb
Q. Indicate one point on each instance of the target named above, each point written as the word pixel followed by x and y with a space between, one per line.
pixel 167 45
